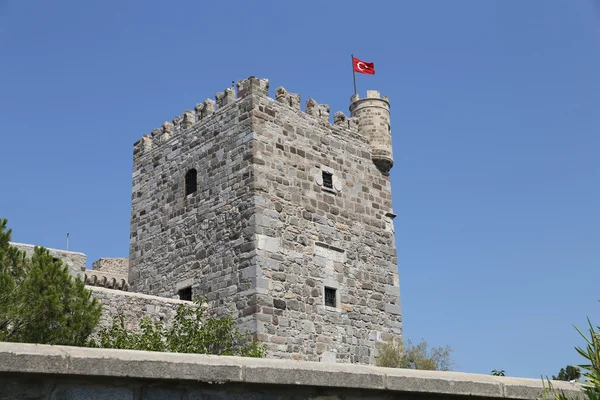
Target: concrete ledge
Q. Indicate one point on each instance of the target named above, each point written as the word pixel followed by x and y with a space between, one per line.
pixel 24 359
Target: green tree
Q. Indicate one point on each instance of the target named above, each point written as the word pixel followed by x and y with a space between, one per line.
pixel 497 372
pixel 570 373
pixel 395 354
pixel 191 331
pixel 40 301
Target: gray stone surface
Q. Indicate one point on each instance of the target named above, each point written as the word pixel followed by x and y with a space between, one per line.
pixel 61 372
pixel 134 306
pixel 119 266
pixel 74 260
pixel 262 236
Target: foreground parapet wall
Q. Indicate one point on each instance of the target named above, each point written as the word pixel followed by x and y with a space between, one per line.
pixel 60 372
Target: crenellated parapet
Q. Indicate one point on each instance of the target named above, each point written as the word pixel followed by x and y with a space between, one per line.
pixel 225 97
pixel 252 86
pixel 202 113
pixel 369 117
pixel 142 146
pixel 205 109
pixel 290 99
pixel 340 119
pixel 105 279
pixel 315 109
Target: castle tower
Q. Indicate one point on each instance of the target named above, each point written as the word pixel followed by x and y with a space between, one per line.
pixel 275 216
pixel 373 115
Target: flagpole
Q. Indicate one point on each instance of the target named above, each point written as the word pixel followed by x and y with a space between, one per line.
pixel 353 73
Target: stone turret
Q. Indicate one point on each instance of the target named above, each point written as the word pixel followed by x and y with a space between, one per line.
pixel 373 115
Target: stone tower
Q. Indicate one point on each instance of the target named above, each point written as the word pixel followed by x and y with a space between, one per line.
pixel 276 216
pixel 373 116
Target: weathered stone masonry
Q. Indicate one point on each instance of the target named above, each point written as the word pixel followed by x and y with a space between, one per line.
pixel 287 207
pixel 134 307
pixel 74 261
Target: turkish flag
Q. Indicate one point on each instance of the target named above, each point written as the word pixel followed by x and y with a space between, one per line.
pixel 363 67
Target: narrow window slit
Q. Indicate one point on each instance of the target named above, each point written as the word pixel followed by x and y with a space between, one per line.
pixel 330 297
pixel 327 180
pixel 190 181
pixel 186 294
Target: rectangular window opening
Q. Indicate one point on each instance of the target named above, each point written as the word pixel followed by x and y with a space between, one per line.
pixel 186 294
pixel 191 181
pixel 327 180
pixel 330 295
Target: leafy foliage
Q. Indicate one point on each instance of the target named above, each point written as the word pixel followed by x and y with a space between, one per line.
pixel 570 373
pixel 497 372
pixel 191 331
pixel 591 369
pixel 41 302
pixel 398 355
pixel 591 352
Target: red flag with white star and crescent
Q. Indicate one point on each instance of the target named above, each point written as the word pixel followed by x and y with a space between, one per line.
pixel 363 67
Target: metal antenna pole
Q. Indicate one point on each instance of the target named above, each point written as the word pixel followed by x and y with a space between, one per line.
pixel 67 242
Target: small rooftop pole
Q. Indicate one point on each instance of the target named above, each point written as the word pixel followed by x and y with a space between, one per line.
pixel 353 73
pixel 67 242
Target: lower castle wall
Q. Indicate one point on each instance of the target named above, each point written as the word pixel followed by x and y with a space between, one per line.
pixel 118 266
pixel 134 306
pixel 74 261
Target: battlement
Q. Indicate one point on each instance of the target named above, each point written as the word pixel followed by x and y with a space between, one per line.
pixel 371 94
pixel 105 279
pixel 246 88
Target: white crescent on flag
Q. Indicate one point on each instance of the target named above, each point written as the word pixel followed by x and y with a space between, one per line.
pixel 363 67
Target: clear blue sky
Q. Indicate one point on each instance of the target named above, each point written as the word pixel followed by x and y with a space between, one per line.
pixel 495 121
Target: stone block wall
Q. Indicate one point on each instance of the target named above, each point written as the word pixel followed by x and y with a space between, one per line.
pixel 118 266
pixel 74 260
pixel 311 237
pixel 200 239
pixel 134 306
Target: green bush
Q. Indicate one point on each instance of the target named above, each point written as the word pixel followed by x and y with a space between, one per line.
pixel 191 331
pixel 394 354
